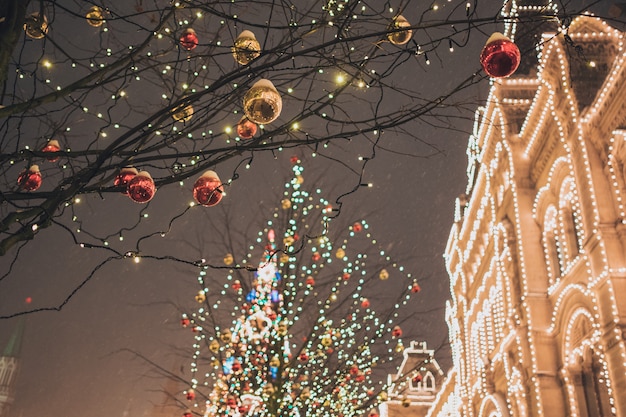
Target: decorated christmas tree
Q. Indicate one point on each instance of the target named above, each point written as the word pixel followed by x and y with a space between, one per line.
pixel 309 327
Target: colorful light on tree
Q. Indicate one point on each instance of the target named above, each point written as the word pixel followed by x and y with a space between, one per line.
pixel 301 339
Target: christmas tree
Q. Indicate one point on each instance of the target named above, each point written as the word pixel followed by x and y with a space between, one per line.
pixel 309 326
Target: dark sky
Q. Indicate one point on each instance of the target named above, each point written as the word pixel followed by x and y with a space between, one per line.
pixel 77 362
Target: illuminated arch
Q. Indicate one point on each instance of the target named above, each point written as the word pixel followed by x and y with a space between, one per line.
pixel 493 405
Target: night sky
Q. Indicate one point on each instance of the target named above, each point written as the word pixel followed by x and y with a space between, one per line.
pixel 82 360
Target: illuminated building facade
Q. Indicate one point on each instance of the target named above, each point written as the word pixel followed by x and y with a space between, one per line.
pixel 9 365
pixel 537 253
pixel 412 390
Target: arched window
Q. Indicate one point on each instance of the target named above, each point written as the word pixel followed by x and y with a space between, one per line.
pixel 570 219
pixel 429 381
pixel 588 373
pixel 551 245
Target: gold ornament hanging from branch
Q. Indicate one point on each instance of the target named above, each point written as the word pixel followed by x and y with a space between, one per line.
pixel 399 37
pixel 246 48
pixel 95 16
pixel 36 26
pixel 262 103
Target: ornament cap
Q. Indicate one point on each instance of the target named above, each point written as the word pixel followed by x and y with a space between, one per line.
pixel 129 170
pixel 264 82
pixel 210 174
pixel 53 142
pixel 497 36
pixel 143 174
pixel 246 34
pixel 34 168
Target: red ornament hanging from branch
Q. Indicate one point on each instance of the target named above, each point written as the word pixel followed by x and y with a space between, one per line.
pixel 30 179
pixel 123 178
pixel 246 129
pixel 52 146
pixel 189 39
pixel 500 57
pixel 141 188
pixel 207 190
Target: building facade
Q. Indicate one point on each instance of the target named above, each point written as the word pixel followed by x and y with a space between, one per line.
pixel 412 390
pixel 9 366
pixel 537 252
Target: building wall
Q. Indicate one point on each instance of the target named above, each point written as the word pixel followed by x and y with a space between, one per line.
pixel 537 253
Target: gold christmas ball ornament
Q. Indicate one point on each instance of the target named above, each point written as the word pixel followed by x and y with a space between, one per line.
pixel 36 26
pixel 284 258
pixel 285 204
pixel 201 297
pixel 383 275
pixel 214 346
pixel 228 259
pixel 246 48
pixel 95 16
pixel 399 37
pixel 262 103
pixel 406 402
pixel 182 113
pixel 340 253
pixel 226 336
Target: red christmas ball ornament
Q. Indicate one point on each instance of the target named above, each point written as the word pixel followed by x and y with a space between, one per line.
pixel 345 276
pixel 365 303
pixel 316 257
pixel 357 227
pixel 236 366
pixel 237 285
pixel 396 331
pixel 354 370
pixel 500 57
pixel 360 377
pixel 231 401
pixel 417 378
pixel 185 321
pixel 141 188
pixel 415 288
pixel 187 414
pixel 189 39
pixel 303 357
pixel 30 179
pixel 310 281
pixel 191 395
pixel 246 129
pixel 52 146
pixel 294 160
pixel 207 190
pixel 372 413
pixel 123 178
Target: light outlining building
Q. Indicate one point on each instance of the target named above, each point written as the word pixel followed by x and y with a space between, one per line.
pixel 537 252
pixel 412 390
